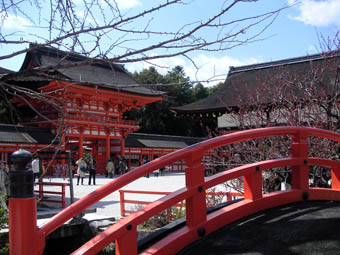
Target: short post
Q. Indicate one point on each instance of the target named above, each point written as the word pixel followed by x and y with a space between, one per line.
pixel 335 172
pixel 122 203
pixel 22 207
pixel 229 197
pixel 196 208
pixel 41 191
pixel 63 199
pixel 253 184
pixel 300 173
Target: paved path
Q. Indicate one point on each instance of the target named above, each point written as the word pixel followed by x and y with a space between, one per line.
pixel 110 205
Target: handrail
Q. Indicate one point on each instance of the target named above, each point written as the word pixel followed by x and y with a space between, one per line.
pixel 124 232
pixel 123 201
pixel 41 192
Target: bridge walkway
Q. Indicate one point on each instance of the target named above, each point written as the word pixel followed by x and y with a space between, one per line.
pixel 310 227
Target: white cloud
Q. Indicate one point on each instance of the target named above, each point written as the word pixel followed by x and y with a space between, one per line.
pixel 319 13
pixel 122 4
pixel 209 69
pixel 14 22
pixel 291 2
pixel 127 4
pixel 212 68
pixel 312 49
pixel 81 15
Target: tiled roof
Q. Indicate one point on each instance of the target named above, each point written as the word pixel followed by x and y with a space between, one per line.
pixel 16 137
pixel 102 74
pixel 23 134
pixel 160 141
pixel 4 70
pixel 162 144
pixel 244 79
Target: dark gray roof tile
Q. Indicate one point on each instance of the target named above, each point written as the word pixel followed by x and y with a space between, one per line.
pixel 16 137
pixel 243 80
pixel 163 144
pixel 103 74
pixel 23 134
pixel 160 141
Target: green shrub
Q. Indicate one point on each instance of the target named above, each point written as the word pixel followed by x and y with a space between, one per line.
pixel 4 245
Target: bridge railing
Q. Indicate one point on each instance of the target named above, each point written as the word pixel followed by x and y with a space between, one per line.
pixel 123 201
pixel 198 223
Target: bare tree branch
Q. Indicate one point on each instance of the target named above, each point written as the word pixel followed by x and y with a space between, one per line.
pixel 66 24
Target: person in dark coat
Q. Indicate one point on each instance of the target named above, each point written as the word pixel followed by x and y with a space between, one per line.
pixel 123 166
pixel 117 165
pixel 92 171
pixel 145 161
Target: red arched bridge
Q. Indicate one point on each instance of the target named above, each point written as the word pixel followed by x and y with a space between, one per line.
pixel 27 238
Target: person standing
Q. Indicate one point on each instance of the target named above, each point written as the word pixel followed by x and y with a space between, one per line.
pixel 81 171
pixel 35 167
pixel 145 161
pixel 57 169
pixel 6 180
pixel 2 178
pixel 92 170
pixel 110 168
pixel 117 165
pixel 123 168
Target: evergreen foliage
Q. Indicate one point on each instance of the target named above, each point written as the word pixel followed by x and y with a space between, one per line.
pixel 157 118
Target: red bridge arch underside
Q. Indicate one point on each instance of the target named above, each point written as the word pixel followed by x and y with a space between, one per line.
pixel 198 223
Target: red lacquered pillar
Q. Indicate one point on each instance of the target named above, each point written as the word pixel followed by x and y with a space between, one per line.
pixel 300 173
pixel 196 208
pixel 22 207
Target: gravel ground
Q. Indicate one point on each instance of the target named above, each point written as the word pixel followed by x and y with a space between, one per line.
pixel 110 205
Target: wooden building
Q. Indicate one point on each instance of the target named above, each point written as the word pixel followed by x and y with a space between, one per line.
pixel 14 137
pixel 268 86
pixel 86 102
pixel 139 146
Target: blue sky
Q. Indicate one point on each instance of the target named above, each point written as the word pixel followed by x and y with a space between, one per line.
pixel 294 33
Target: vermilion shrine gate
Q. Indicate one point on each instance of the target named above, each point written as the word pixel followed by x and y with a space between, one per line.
pixel 92 99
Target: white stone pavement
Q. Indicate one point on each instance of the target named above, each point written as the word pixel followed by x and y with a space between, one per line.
pixel 110 205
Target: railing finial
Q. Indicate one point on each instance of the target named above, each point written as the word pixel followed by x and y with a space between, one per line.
pixel 21 178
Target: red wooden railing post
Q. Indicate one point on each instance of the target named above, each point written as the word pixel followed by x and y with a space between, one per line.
pixel 63 199
pixel 127 243
pixel 300 173
pixel 229 197
pixel 194 176
pixel 253 185
pixel 335 173
pixel 23 233
pixel 41 191
pixel 122 203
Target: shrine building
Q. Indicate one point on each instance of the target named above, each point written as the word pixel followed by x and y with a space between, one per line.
pixel 81 107
pixel 252 86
